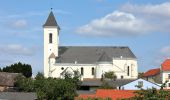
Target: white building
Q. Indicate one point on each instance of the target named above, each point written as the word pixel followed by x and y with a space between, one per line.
pixel 165 69
pixel 90 61
pixel 141 83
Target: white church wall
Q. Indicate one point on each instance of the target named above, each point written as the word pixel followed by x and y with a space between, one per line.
pixel 87 73
pixel 121 67
pixel 50 47
pixel 102 68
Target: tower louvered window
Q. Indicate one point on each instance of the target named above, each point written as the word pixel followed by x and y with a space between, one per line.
pixel 50 38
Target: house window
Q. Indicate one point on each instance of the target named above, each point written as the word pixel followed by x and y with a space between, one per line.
pixel 128 71
pixel 92 71
pixel 50 38
pixel 121 77
pixel 82 71
pixel 140 83
pixel 168 76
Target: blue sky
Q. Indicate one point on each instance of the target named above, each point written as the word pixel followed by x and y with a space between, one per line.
pixel 143 25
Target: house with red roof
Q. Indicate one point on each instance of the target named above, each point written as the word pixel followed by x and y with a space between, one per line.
pixel 165 68
pixel 159 75
pixel 109 93
pixel 153 75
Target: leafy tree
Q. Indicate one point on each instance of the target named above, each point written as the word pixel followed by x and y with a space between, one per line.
pixel 49 88
pixel 24 84
pixel 110 75
pixel 25 69
pixel 0 69
pixel 152 94
pixel 140 75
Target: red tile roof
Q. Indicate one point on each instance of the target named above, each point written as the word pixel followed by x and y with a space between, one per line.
pixel 166 65
pixel 152 72
pixel 110 93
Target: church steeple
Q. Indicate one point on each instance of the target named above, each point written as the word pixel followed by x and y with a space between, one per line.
pixel 51 21
pixel 51 42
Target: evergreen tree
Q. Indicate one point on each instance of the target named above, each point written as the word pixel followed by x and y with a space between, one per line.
pixel 25 69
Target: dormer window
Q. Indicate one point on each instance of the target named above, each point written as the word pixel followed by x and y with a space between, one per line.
pixel 50 38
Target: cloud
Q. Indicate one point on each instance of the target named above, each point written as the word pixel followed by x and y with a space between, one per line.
pixel 16 49
pixel 21 23
pixel 115 24
pixel 130 20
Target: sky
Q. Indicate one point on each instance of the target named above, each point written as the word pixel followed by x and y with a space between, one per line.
pixel 142 25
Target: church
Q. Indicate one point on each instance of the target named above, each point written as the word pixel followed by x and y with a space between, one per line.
pixel 90 61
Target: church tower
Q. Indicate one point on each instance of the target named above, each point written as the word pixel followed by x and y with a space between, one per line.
pixel 51 41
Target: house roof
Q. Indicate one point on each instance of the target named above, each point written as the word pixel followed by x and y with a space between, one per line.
pixel 110 93
pixel 51 21
pixel 92 54
pixel 52 55
pixel 113 83
pixel 7 79
pixel 152 72
pixel 17 96
pixel 140 79
pixel 166 65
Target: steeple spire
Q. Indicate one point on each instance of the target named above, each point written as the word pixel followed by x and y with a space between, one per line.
pixel 51 21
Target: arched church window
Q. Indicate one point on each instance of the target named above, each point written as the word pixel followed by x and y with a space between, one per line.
pixel 82 71
pixel 62 68
pixel 128 71
pixel 92 71
pixel 50 38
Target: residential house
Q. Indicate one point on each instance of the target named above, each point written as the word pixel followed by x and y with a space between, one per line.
pixel 153 75
pixel 141 83
pixel 165 66
pixel 7 80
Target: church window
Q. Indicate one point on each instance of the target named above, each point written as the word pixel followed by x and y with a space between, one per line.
pixel 92 71
pixel 62 68
pixel 50 38
pixel 128 71
pixel 82 71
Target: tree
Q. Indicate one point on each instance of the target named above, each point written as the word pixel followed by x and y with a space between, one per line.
pixel 110 75
pixel 151 94
pixel 140 75
pixel 49 88
pixel 25 69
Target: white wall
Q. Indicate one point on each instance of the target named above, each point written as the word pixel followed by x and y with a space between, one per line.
pixel 49 48
pixel 87 69
pixel 100 68
pixel 146 85
pixel 165 77
pixel 120 67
